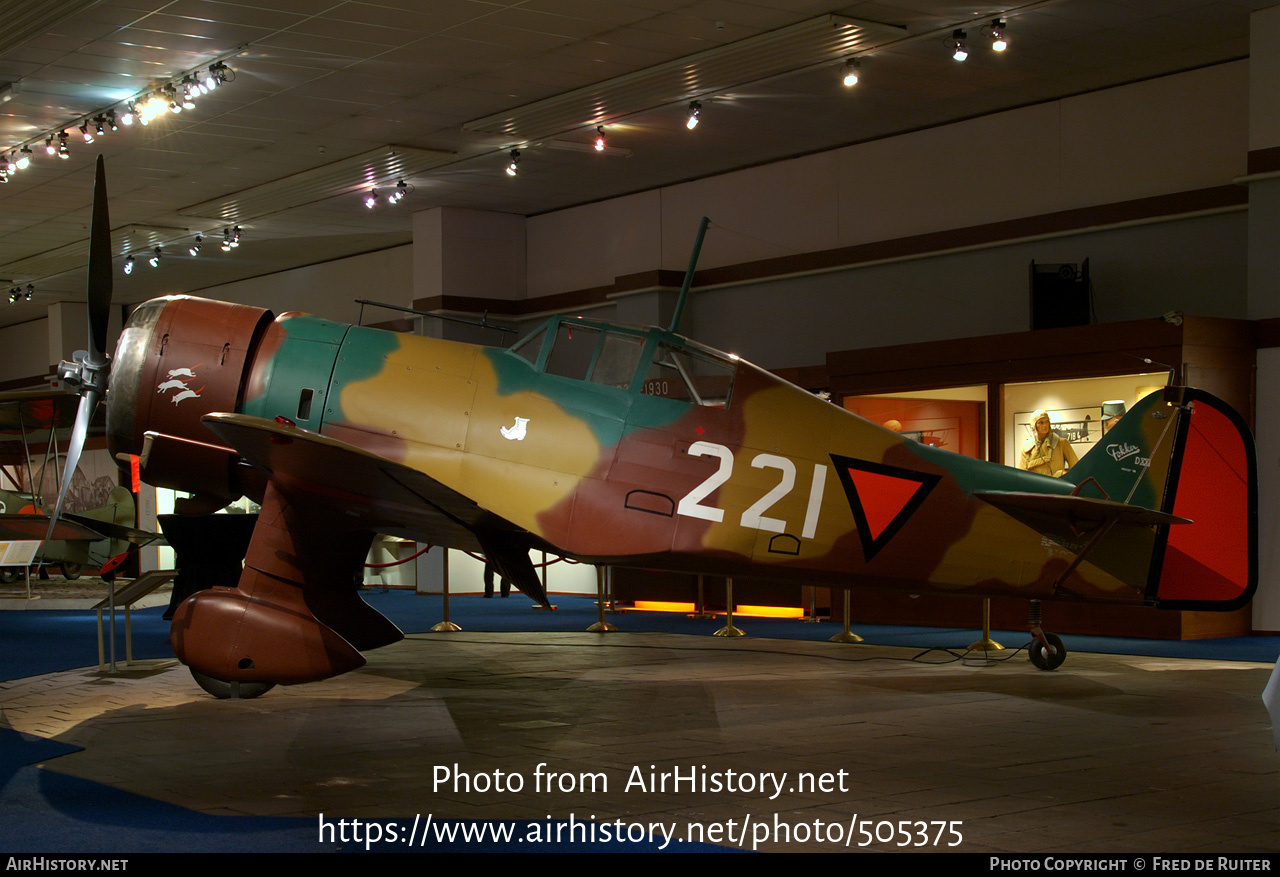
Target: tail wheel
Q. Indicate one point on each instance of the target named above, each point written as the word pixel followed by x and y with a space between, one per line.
pixel 1050 658
pixel 10 574
pixel 224 690
pixel 71 571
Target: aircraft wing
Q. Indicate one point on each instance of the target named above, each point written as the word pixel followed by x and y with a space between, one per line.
pixel 42 408
pixel 1076 509
pixel 378 493
pixel 110 530
pixel 15 528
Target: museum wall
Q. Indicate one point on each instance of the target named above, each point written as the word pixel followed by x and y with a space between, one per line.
pixel 26 350
pixel 1176 134
pixel 329 289
pixel 1196 265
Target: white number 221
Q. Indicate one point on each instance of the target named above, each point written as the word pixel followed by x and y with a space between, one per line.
pixel 691 505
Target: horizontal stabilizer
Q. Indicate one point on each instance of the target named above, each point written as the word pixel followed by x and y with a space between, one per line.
pixel 1076 508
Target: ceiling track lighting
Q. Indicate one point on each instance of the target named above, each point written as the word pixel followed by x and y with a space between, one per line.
pixel 402 189
pixel 998 40
pixel 514 167
pixel 695 110
pixel 849 73
pixel 154 261
pixel 371 200
pixel 957 44
pixel 174 96
pixel 599 138
pixel 24 158
pixel 128 264
pixel 195 248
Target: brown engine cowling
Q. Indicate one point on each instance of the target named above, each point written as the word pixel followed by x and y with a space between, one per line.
pixel 178 359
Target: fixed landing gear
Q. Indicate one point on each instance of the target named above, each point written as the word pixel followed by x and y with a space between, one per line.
pixel 224 690
pixel 1047 651
pixel 1047 655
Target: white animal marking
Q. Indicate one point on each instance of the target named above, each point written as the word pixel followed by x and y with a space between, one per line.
pixel 514 433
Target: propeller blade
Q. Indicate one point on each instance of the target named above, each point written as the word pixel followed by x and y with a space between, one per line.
pixel 99 288
pixel 88 402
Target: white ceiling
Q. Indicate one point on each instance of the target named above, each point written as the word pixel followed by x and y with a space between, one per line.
pixel 329 96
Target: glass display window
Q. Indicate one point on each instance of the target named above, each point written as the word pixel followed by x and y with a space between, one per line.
pixel 1079 410
pixel 950 418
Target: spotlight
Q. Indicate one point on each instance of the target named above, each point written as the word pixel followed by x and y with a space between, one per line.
pixel 111 121
pixel 235 236
pixel 130 113
pixel 226 240
pixel 49 147
pixel 371 200
pixel 513 167
pixel 599 138
pixel 63 152
pixel 99 122
pixel 958 50
pixel 154 261
pixel 128 265
pixel 195 248
pixel 4 176
pixel 85 132
pixel 14 295
pixel 10 163
pixel 189 93
pixel 210 80
pixel 998 41
pixel 850 73
pixel 695 109
pixel 31 290
pixel 24 158
pixel 402 189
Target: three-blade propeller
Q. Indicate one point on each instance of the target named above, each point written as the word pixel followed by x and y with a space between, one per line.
pixel 87 372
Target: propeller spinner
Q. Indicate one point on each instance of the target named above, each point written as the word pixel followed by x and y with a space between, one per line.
pixel 87 372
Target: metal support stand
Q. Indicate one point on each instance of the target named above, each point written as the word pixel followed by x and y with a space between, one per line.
pixel 846 635
pixel 612 608
pixel 700 607
pixel 813 607
pixel 445 626
pixel 126 596
pixel 728 629
pixel 600 626
pixel 986 644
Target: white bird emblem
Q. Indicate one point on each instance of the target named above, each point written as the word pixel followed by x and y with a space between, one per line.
pixel 514 433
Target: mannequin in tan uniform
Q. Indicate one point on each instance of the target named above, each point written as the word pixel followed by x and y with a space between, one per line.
pixel 1048 453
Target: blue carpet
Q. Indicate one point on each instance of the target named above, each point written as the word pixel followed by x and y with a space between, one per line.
pixel 37 642
pixel 47 813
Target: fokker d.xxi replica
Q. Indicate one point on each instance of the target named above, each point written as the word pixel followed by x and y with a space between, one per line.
pixel 619 445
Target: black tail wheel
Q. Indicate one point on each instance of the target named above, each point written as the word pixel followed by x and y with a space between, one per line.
pixel 1050 658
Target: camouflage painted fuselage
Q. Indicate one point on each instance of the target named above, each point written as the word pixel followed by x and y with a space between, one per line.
pixel 770 481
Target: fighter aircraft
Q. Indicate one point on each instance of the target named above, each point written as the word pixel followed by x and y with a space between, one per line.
pixel 617 445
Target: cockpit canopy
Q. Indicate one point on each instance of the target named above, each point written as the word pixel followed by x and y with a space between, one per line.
pixel 650 362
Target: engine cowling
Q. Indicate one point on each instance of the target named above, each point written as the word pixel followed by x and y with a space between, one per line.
pixel 179 358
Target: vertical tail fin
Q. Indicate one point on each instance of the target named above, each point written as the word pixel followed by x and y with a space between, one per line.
pixel 1187 453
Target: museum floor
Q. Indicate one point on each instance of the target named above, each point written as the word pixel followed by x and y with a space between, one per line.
pixel 1108 754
